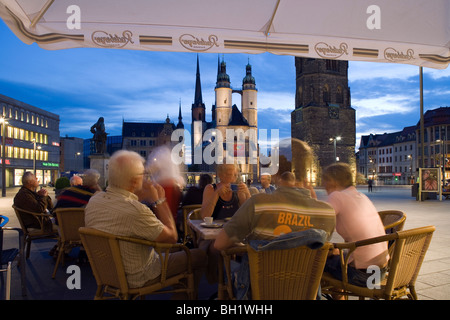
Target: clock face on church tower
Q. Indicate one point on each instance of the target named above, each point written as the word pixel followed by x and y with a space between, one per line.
pixel 333 112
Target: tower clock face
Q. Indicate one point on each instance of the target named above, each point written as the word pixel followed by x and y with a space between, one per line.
pixel 333 112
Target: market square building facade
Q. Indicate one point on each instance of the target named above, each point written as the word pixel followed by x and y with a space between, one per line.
pixel 32 141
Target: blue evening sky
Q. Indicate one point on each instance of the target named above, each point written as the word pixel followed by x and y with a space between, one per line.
pixel 80 85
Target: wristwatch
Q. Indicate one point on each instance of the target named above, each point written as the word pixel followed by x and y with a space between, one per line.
pixel 157 202
pixel 154 204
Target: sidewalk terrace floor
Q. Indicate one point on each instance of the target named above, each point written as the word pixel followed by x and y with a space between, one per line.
pixel 433 282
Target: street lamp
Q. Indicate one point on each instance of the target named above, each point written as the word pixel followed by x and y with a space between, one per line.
pixel 441 142
pixel 34 156
pixel 3 122
pixel 338 138
pixel 410 168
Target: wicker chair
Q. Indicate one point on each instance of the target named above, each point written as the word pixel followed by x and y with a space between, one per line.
pixel 69 221
pixel 225 287
pixel 194 215
pixel 393 220
pixel 31 234
pixel 186 230
pixel 288 274
pixel 103 251
pixel 404 265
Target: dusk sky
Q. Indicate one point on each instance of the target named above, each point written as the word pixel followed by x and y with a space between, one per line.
pixel 80 85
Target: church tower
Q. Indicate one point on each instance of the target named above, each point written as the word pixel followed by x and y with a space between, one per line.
pixel 249 98
pixel 323 116
pixel 198 107
pixel 225 116
pixel 223 98
pixel 180 124
pixel 198 125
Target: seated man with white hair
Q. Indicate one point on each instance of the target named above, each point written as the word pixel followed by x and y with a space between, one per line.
pixel 76 181
pixel 119 210
pixel 31 200
pixel 79 195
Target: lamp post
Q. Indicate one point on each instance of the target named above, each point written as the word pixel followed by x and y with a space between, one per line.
pixel 34 155
pixel 338 138
pixel 411 180
pixel 3 122
pixel 441 142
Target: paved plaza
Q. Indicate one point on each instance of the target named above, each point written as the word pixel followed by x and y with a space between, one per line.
pixel 433 282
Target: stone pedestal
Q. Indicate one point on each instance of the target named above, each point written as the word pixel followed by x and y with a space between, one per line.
pixel 100 162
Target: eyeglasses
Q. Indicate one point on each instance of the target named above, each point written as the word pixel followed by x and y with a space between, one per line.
pixel 146 175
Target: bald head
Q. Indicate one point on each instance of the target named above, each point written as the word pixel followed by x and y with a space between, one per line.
pixel 123 168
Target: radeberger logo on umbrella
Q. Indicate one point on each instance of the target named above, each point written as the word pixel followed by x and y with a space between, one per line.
pixel 108 40
pixel 392 54
pixel 193 43
pixel 328 51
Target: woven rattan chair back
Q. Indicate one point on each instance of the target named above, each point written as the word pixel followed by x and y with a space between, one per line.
pixel 195 214
pixel 104 257
pixel 31 234
pixel 393 220
pixel 409 249
pixel 186 230
pixel 291 274
pixel 409 253
pixel 103 251
pixel 69 221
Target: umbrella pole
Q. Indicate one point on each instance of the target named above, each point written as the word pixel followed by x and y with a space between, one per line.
pixel 422 128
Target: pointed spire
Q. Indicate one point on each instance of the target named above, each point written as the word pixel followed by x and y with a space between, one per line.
pixel 249 81
pixel 198 99
pixel 223 79
pixel 180 124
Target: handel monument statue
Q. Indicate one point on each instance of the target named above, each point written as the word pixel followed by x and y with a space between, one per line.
pixel 98 129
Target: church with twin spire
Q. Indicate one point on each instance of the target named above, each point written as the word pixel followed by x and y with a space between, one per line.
pixel 226 115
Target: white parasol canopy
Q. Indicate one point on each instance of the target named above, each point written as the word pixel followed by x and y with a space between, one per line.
pixel 414 32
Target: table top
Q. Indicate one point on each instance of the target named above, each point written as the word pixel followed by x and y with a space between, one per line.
pixel 204 232
pixel 211 233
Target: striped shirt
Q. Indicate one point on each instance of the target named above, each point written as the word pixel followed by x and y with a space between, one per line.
pixel 266 216
pixel 119 212
pixel 74 197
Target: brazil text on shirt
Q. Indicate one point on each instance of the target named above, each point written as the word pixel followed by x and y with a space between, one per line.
pixel 278 219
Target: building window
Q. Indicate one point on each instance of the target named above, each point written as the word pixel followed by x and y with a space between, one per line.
pixel 332 65
pixel 339 95
pixel 326 93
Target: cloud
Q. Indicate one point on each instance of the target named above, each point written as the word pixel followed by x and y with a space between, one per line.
pixel 436 74
pixel 275 101
pixel 371 71
pixel 383 105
